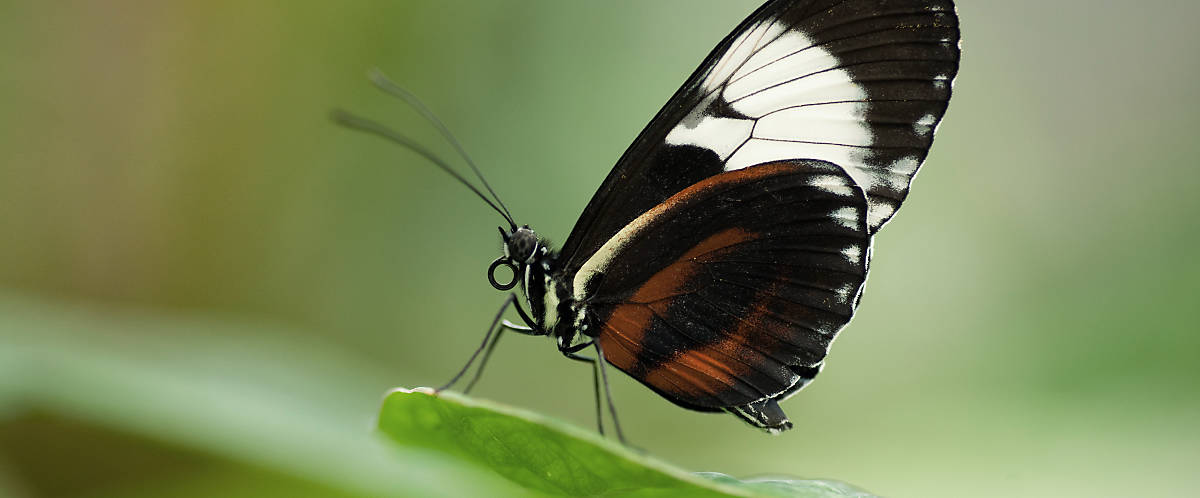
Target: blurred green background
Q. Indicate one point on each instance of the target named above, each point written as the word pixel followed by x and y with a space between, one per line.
pixel 206 287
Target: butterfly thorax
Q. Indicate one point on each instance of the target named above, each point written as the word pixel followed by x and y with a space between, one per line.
pixel 552 305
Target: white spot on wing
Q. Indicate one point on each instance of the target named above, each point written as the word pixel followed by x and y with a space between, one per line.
pixel 924 126
pixel 895 181
pixel 846 291
pixel 906 166
pixel 847 217
pixel 878 212
pixel 853 254
pixel 830 183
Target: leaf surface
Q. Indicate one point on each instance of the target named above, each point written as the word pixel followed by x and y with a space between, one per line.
pixel 554 458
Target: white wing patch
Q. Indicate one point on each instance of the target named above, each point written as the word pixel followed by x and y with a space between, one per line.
pixel 751 42
pixel 804 106
pixel 758 151
pixel 839 123
pixel 797 104
pixel 720 135
pixel 808 75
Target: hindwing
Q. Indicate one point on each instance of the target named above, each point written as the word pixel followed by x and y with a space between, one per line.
pixel 729 292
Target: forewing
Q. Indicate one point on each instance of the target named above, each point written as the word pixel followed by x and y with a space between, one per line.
pixel 730 291
pixel 859 83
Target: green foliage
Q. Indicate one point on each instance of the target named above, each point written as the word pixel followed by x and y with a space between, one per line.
pixel 551 457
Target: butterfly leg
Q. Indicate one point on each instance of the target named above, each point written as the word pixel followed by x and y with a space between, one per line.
pixel 595 382
pixel 612 410
pixel 489 343
pixel 531 324
pixel 483 361
pixel 504 325
pixel 516 327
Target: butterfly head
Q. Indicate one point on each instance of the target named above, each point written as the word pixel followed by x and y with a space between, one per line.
pixel 521 247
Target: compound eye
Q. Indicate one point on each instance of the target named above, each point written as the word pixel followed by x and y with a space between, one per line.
pixel 492 274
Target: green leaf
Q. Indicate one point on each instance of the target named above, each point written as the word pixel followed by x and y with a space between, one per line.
pixel 551 457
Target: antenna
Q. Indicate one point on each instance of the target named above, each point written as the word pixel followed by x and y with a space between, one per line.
pixel 389 87
pixel 352 121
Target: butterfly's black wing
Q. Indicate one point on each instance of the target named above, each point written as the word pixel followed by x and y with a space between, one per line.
pixel 859 83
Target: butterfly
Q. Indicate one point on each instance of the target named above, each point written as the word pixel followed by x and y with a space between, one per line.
pixel 730 244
